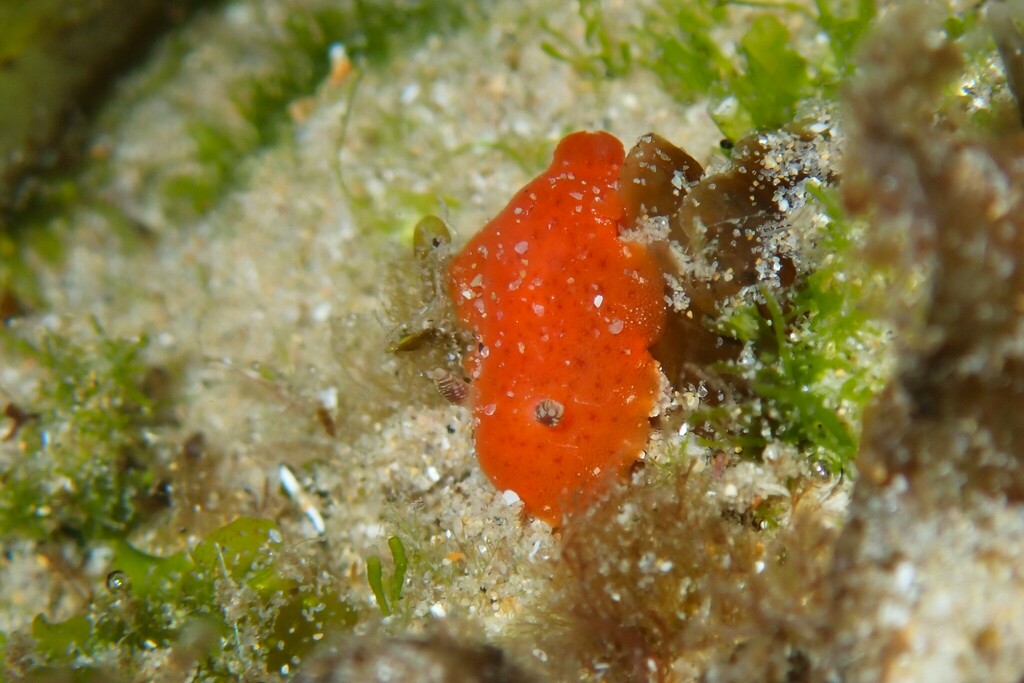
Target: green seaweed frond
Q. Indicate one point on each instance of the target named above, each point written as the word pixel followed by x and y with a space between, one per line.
pixel 388 591
pixel 603 54
pixel 760 86
pixel 80 458
pixel 681 49
pixel 773 71
pixel 190 601
pixel 378 29
pixel 844 23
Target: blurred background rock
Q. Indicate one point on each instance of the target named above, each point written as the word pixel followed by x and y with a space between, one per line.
pixel 58 59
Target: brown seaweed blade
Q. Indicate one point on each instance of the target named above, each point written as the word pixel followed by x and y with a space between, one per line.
pixel 715 235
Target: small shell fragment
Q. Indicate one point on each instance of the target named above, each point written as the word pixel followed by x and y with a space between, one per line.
pixel 453 389
pixel 293 489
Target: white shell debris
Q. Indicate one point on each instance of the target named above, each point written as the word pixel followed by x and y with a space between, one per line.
pixel 294 491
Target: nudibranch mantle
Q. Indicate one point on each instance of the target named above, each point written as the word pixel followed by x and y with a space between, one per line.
pixel 563 311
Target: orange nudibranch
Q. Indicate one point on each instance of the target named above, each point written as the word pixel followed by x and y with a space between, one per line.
pixel 564 312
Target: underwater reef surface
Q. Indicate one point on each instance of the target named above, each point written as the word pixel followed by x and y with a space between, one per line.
pixel 225 457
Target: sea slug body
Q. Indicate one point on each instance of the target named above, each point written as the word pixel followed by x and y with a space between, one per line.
pixel 564 312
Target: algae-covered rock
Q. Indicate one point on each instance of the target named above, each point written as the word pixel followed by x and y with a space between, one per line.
pixel 927 574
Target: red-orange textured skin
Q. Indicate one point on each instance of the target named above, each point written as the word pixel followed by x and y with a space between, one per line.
pixel 562 309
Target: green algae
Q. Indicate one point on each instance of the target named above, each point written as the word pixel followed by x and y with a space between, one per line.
pixel 369 32
pixel 812 367
pixel 604 53
pixel 87 461
pixel 387 591
pixel 157 603
pixel 758 87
